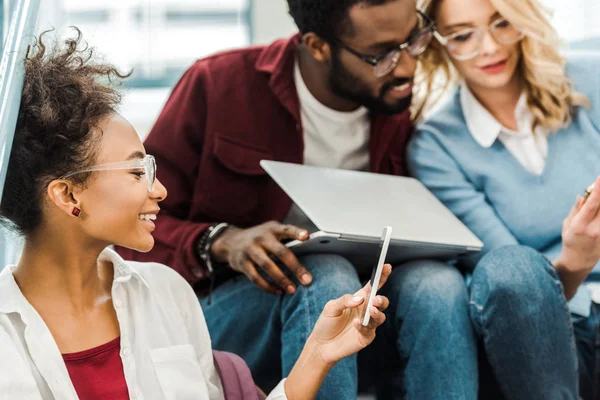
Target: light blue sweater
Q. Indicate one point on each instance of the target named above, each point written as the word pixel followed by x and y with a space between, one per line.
pixel 491 192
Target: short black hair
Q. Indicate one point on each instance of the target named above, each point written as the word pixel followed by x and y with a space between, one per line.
pixel 327 18
pixel 66 95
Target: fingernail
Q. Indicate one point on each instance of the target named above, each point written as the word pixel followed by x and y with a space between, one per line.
pixel 290 289
pixel 375 311
pixel 357 299
pixel 302 234
pixel 379 301
pixel 306 279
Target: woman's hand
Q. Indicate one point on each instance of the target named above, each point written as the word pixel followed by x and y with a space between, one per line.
pixel 339 333
pixel 581 242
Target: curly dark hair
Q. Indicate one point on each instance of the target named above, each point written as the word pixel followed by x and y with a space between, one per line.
pixel 66 95
pixel 327 18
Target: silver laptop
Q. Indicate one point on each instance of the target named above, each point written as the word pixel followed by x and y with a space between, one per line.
pixel 350 209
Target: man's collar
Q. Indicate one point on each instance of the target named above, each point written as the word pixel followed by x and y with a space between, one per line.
pixel 278 60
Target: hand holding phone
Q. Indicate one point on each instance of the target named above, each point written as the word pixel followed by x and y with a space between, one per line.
pixel 376 275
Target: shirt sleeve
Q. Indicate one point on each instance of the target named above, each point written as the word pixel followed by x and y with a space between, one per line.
pixel 176 141
pixel 279 392
pixel 429 162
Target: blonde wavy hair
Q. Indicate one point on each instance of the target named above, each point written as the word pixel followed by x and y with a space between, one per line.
pixel 550 94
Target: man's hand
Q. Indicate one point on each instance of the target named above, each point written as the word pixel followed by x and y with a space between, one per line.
pixel 245 250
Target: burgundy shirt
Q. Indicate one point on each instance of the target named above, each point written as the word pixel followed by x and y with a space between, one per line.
pixel 97 374
pixel 228 112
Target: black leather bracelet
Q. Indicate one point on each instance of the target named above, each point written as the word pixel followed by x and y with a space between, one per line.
pixel 206 240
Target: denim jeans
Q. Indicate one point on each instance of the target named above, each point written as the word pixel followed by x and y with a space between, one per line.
pixel 269 331
pixel 521 316
pixel 514 310
pixel 587 337
pixel 426 350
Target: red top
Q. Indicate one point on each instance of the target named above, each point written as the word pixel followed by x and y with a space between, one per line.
pixel 97 374
pixel 228 112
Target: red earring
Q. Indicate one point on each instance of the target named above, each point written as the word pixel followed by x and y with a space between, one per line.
pixel 76 211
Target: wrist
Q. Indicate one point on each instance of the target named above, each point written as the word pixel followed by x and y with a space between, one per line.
pixel 571 274
pixel 308 373
pixel 313 352
pixel 219 248
pixel 206 241
pixel 572 267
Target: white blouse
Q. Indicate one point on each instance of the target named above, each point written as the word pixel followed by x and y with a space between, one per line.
pixel 165 344
pixel 529 147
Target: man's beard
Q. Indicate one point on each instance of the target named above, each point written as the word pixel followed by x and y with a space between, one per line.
pixel 345 85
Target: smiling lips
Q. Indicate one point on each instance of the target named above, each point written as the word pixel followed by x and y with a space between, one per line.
pixel 494 68
pixel 147 217
pixel 403 90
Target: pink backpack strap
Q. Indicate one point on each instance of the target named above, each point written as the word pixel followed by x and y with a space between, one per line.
pixel 235 377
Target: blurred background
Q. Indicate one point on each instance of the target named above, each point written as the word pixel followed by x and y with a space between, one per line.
pixel 159 39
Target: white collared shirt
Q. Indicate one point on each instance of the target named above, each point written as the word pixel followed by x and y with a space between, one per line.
pixel 165 344
pixel 528 147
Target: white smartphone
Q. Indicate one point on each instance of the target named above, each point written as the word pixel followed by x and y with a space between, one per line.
pixel 376 274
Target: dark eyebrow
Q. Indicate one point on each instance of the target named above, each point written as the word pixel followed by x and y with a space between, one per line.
pixel 136 154
pixel 469 24
pixel 391 44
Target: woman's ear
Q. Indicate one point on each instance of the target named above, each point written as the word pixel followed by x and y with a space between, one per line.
pixel 63 195
pixel 317 47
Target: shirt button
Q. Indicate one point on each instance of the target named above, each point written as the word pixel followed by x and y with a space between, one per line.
pixel 118 303
pixel 596 296
pixel 126 352
pixel 134 394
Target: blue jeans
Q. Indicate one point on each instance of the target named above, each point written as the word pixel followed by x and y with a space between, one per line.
pixel 514 310
pixel 426 350
pixel 269 331
pixel 520 314
pixel 587 337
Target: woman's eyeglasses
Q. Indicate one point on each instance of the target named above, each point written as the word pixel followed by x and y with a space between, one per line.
pixel 466 43
pixel 145 166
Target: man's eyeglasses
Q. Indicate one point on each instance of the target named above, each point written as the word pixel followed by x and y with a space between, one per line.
pixel 385 63
pixel 145 166
pixel 466 43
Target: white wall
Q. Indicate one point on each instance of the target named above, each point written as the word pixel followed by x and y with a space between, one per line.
pixel 50 15
pixel 270 21
pixel 575 19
